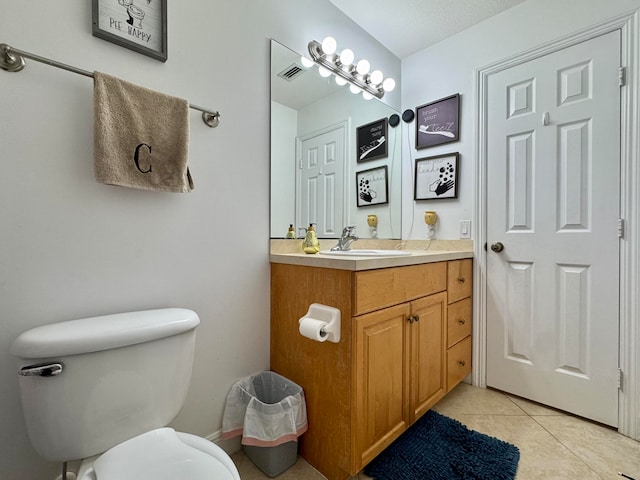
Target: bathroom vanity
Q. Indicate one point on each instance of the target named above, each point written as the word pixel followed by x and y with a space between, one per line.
pixel 405 342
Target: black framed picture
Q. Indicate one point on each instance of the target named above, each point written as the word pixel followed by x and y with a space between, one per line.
pixel 371 140
pixel 372 187
pixel 436 177
pixel 139 26
pixel 437 122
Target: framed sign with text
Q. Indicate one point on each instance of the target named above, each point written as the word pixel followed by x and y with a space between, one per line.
pixel 371 140
pixel 139 26
pixel 437 122
pixel 436 177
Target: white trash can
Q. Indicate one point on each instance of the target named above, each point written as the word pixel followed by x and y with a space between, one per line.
pixel 270 413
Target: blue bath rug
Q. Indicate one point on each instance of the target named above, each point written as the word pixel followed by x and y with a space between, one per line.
pixel 440 448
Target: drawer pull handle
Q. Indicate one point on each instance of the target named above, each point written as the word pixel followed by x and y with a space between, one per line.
pixel 460 279
pixel 462 363
pixel 462 321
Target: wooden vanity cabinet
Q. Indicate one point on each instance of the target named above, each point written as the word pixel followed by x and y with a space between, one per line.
pixel 399 370
pixel 389 367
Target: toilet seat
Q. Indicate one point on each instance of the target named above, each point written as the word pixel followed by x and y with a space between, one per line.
pixel 163 454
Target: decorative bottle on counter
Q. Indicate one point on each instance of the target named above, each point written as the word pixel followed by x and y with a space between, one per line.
pixel 311 243
pixel 292 232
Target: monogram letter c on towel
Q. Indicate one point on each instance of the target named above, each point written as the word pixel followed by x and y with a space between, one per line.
pixel 136 157
pixel 129 122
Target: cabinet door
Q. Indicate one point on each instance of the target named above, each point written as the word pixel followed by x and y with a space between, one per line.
pixel 381 379
pixel 428 374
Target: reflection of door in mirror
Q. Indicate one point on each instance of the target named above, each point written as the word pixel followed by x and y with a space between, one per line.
pixel 307 183
pixel 320 180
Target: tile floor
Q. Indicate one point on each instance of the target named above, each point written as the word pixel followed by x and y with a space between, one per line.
pixel 553 445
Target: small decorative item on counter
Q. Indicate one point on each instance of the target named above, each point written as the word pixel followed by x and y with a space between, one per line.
pixel 372 221
pixel 311 243
pixel 292 231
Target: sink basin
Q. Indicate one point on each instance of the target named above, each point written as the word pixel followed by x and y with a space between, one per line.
pixel 368 253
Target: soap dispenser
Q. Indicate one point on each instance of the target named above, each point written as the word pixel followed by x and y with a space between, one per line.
pixel 292 231
pixel 311 243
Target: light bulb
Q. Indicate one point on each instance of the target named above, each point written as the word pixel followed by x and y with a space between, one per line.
pixel 376 77
pixel 340 81
pixel 389 84
pixel 324 72
pixel 354 89
pixel 366 95
pixel 306 63
pixel 329 45
pixel 346 57
pixel 363 67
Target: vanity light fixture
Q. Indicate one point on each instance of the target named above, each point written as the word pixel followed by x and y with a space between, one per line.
pixel 341 64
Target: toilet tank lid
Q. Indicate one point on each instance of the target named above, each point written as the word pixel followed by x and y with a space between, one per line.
pixel 94 334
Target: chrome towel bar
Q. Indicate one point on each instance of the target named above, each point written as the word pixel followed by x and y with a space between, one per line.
pixel 12 60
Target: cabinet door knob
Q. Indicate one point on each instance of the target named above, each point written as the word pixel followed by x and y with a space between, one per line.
pixel 461 279
pixel 462 363
pixel 413 318
pixel 462 321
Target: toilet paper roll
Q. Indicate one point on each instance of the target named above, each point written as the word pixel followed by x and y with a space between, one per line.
pixel 312 328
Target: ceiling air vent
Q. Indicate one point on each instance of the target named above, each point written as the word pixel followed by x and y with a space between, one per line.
pixel 291 72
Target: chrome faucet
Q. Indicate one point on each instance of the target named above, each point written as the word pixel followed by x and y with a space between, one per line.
pixel 348 237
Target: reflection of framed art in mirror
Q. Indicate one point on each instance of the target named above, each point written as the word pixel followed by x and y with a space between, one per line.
pixel 371 140
pixel 372 187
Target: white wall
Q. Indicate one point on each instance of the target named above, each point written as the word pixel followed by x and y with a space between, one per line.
pixel 449 67
pixel 283 169
pixel 72 247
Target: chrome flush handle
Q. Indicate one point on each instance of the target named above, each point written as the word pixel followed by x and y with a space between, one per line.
pixel 43 370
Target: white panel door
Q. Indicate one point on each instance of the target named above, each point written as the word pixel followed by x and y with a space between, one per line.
pixel 553 204
pixel 321 181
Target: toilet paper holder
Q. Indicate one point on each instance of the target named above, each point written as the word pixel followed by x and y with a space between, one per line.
pixel 329 315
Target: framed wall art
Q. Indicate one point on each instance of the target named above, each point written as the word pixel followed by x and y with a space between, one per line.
pixel 436 177
pixel 438 122
pixel 372 187
pixel 371 140
pixel 139 26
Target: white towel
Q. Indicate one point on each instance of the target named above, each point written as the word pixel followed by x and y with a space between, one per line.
pixel 141 137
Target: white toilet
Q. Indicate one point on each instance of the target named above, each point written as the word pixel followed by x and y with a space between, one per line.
pixel 103 389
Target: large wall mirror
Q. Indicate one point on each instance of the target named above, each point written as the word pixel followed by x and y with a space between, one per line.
pixel 335 157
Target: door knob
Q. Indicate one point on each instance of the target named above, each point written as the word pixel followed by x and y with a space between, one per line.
pixel 497 247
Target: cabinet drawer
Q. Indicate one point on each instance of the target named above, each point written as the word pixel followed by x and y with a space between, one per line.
pixel 458 321
pixel 375 289
pixel 459 279
pixel 458 362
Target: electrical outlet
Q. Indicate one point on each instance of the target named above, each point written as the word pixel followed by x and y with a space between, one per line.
pixel 465 229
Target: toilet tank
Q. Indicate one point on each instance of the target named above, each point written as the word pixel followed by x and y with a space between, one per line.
pixel 89 384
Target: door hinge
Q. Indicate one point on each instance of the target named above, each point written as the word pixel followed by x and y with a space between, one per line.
pixel 621 228
pixel 622 76
pixel 619 379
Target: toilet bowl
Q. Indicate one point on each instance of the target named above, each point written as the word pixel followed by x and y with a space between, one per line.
pixel 129 374
pixel 161 454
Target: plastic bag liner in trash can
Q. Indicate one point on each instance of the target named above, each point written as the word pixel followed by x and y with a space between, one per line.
pixel 270 413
